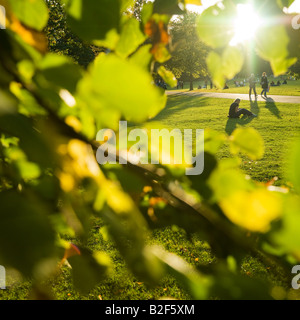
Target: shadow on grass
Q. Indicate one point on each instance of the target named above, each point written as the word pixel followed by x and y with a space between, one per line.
pixel 232 123
pixel 180 102
pixel 254 107
pixel 271 106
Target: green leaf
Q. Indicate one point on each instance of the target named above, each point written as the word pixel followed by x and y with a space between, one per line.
pixel 131 37
pixel 281 66
pixel 214 64
pixel 25 170
pixel 247 141
pixel 89 269
pixel 227 180
pixel 195 283
pixel 214 25
pixel 146 12
pixel 232 62
pixel 286 238
pixel 107 88
pixel 169 7
pixel 91 19
pixel 167 76
pixel 27 103
pixel 33 13
pixel 8 104
pixel 285 3
pixel 26 236
pixel 60 71
pixel 142 57
pixel 225 66
pixel 272 45
pixel 31 141
pixel 213 141
pixel 125 4
pixel 237 286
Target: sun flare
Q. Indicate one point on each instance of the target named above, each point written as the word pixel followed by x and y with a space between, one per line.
pixel 246 24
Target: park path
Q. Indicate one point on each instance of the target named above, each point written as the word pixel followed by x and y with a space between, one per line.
pixel 233 96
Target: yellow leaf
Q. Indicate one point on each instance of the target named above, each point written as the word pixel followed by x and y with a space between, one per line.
pixel 147 189
pixel 193 2
pixel 32 37
pixel 252 210
pixel 67 182
pixel 74 123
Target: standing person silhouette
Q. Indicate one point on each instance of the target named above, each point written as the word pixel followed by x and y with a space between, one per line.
pixel 264 84
pixel 252 85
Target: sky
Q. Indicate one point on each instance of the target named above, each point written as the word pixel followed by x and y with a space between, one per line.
pixel 205 4
pixel 294 8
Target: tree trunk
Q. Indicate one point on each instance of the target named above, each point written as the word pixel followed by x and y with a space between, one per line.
pixel 191 85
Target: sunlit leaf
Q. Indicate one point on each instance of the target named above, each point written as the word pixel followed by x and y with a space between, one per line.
pixel 214 64
pixel 33 13
pixel 272 45
pixel 137 101
pixel 142 57
pixel 215 27
pixel 252 210
pixel 227 180
pixel 232 62
pixel 193 2
pixel 131 37
pixel 32 37
pixel 248 141
pixel 156 29
pixel 167 76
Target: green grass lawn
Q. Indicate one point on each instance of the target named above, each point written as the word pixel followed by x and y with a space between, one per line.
pixel 122 285
pixel 277 123
pixel 291 89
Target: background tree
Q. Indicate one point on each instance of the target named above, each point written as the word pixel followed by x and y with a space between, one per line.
pixel 189 52
pixel 137 8
pixel 62 40
pixel 295 70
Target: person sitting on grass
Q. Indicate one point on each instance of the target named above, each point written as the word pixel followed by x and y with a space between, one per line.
pixel 236 112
